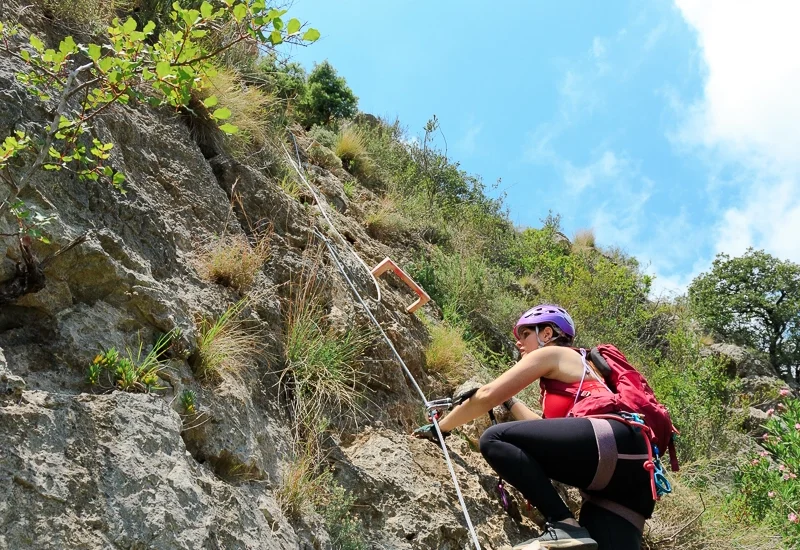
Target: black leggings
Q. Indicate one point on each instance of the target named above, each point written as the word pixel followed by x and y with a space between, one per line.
pixel 529 453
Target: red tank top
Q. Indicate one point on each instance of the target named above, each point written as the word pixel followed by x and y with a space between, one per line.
pixel 557 402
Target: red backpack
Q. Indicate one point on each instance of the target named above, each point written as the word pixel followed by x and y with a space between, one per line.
pixel 630 394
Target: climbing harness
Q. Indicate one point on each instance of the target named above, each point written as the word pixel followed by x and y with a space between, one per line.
pixel 429 405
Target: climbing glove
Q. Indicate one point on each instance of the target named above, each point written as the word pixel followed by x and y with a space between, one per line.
pixel 428 431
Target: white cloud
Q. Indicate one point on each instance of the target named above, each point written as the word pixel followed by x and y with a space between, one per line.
pixel 578 178
pixel 468 142
pixel 749 116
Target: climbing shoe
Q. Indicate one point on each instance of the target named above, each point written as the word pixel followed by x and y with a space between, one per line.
pixel 560 535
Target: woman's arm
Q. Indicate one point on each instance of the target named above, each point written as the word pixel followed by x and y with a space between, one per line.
pixel 531 367
pixel 520 411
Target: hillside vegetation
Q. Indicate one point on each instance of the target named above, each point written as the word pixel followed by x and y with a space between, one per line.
pixel 207 292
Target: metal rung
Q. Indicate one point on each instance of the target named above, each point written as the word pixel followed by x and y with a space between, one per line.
pixel 388 265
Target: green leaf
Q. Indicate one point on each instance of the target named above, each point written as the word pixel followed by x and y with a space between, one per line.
pixel 275 37
pixel 311 35
pixel 94 52
pixel 239 12
pixel 222 113
pixel 149 28
pixel 162 69
pixel 105 64
pixel 118 180
pixel 293 26
pixel 277 23
pixel 37 44
pixel 210 101
pixel 206 9
pixel 67 46
pixel 229 128
pixel 130 25
pixel 26 55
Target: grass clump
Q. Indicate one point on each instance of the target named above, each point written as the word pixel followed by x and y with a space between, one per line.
pixel 447 352
pixel 227 345
pixel 132 372
pixel 290 186
pixel 386 220
pixel 232 260
pixel 323 365
pixel 352 149
pixel 307 486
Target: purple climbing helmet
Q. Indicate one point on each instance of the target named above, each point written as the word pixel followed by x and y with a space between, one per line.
pixel 547 313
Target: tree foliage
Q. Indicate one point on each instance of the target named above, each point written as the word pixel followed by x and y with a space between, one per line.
pixel 327 97
pixel 754 301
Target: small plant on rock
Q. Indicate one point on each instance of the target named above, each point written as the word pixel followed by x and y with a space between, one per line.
pixel 133 372
pixel 189 401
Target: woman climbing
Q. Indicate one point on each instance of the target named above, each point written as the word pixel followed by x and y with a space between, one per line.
pixel 580 452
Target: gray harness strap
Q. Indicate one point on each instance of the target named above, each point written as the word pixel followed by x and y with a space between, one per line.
pixel 624 512
pixel 606 454
pixel 607 457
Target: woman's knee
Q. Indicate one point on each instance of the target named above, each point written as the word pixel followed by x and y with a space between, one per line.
pixel 489 441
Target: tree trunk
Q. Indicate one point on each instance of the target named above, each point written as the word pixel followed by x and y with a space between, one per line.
pixel 29 277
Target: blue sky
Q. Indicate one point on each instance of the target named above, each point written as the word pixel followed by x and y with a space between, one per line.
pixel 667 127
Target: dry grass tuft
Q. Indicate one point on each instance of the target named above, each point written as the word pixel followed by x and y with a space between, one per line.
pixel 352 149
pixel 232 260
pixel 584 239
pixel 251 111
pixel 303 485
pixel 680 522
pixel 86 14
pixel 228 345
pixel 386 220
pixel 447 352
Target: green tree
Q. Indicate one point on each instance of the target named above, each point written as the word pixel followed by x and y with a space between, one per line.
pixel 327 97
pixel 753 300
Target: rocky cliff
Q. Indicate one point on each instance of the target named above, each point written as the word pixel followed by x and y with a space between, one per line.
pixel 82 468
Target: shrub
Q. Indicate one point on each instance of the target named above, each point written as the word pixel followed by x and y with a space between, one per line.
pixel 447 352
pixel 323 136
pixel 227 345
pixel 324 157
pixel 767 486
pixel 232 260
pixel 132 373
pixel 327 97
pixel 283 79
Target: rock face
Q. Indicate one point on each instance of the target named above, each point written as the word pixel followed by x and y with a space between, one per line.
pixel 118 470
pixel 741 362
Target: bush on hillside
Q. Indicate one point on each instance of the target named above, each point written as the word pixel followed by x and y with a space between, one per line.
pixel 767 484
pixel 327 98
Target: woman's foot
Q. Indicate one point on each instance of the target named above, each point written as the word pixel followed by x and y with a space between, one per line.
pixel 560 535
